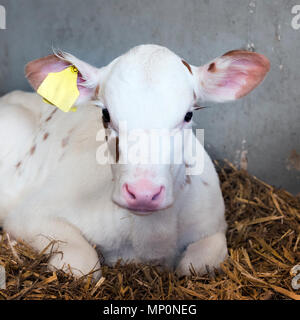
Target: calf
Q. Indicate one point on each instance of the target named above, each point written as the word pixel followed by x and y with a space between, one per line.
pixel 53 188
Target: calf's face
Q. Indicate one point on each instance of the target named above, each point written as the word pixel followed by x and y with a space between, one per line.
pixel 148 90
pixel 150 93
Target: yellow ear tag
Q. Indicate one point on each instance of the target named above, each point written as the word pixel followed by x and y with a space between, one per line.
pixel 60 89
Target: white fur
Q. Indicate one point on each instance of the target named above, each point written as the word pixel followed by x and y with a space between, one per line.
pixel 51 186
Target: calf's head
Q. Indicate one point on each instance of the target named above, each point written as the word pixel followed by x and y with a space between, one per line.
pixel 150 89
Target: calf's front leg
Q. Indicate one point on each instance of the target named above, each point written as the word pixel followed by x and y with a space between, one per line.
pixel 204 255
pixel 72 252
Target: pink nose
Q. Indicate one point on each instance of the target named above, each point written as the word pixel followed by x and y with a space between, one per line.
pixel 143 195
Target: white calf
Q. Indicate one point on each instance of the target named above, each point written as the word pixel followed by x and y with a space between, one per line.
pixel 51 186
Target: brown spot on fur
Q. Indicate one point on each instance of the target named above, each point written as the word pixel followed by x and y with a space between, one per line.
pixel 46 135
pixel 71 130
pixel 205 183
pixel 105 125
pixel 194 95
pixel 51 115
pixel 117 150
pixel 188 66
pixel 18 165
pixel 32 150
pixel 65 142
pixel 212 67
pixel 188 180
pixel 97 91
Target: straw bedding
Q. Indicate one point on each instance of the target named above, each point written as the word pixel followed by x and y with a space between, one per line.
pixel 263 240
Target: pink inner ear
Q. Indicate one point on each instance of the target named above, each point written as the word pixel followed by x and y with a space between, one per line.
pixel 54 67
pixel 252 71
pixel 232 79
pixel 36 71
pixel 234 75
pixel 84 91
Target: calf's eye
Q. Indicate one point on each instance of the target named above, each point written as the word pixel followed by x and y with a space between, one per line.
pixel 188 116
pixel 105 115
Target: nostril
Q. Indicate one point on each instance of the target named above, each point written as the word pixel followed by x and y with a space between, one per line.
pixel 132 195
pixel 143 195
pixel 156 196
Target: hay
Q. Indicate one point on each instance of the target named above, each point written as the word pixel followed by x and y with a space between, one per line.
pixel 263 240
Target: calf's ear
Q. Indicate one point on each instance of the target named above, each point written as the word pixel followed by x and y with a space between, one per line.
pixel 88 76
pixel 230 76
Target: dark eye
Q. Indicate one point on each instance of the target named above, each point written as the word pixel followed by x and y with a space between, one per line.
pixel 105 115
pixel 188 116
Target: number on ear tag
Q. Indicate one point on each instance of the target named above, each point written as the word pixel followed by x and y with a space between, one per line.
pixel 60 89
